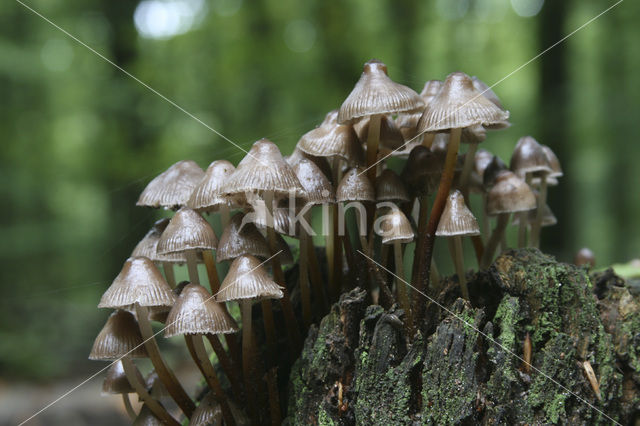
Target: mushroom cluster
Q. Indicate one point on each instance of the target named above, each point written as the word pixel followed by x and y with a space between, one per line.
pixel 267 203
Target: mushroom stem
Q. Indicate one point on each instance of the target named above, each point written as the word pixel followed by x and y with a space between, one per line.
pixel 228 367
pixel 373 139
pixel 249 359
pixel 316 276
pixel 156 408
pixel 522 229
pixel 169 273
pixel 304 278
pixel 455 243
pixel 426 241
pixel 127 406
pixel 274 398
pixel 204 365
pixel 401 286
pixel 494 240
pixel 486 224
pixel 192 266
pixel 287 309
pixel 434 274
pixel 165 374
pixel 348 254
pixel 334 251
pixel 537 224
pixel 384 254
pixel 466 170
pixel 212 271
pixel 428 138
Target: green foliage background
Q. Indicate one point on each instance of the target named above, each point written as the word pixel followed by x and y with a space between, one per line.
pixel 80 139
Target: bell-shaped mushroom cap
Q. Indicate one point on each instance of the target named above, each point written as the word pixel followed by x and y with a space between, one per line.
pixel 146 418
pixel 247 279
pixel 173 187
pixel 548 218
pixel 207 413
pixel 491 172
pixel 585 256
pixel 285 256
pixel 139 282
pixel 187 230
pixel 486 91
pixel 297 155
pixel 197 312
pixel 333 140
pixel 147 247
pixel 395 227
pixel 457 219
pixel 241 237
pixel 529 157
pixel 510 194
pixel 116 381
pixel 481 161
pixel 208 194
pixel 376 93
pixel 390 136
pixel 389 187
pixel 264 169
pixel 430 90
pixel 554 162
pixel 120 336
pixel 458 105
pixel 355 186
pixel 315 183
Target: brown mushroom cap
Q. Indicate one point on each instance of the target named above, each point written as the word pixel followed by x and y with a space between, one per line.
pixel 282 220
pixel 315 183
pixel 247 279
pixel 554 162
pixel 187 230
pixel 116 381
pixel 473 134
pixel 355 186
pixel 140 282
pixel 207 413
pixel 481 161
pixel 390 187
pixel 395 227
pixel 421 171
pixel 235 242
pixel 491 172
pixel 146 418
pixel 119 337
pixel 585 256
pixel 264 169
pixel 197 312
pixel 457 219
pixel 147 247
pixel 458 105
pixel 208 195
pixel 376 93
pixel 333 140
pixel 173 187
pixel 321 162
pixel 529 157
pixel 510 194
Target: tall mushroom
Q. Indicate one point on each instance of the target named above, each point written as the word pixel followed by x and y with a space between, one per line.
pixel 456 222
pixel 456 106
pixel 121 340
pixel 195 314
pixel 138 286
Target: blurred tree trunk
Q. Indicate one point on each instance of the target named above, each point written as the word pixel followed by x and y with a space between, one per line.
pixel 553 112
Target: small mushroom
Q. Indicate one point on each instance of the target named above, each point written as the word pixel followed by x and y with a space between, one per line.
pixel 116 383
pixel 208 196
pixel 585 257
pixel 172 188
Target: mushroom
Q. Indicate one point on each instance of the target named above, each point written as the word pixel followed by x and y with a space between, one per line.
pixel 172 188
pixel 207 195
pixel 263 171
pixel 585 257
pixel 529 160
pixel 319 191
pixel 510 194
pixel 138 286
pixel 247 281
pixel 116 383
pixel 376 95
pixel 241 237
pixel 456 106
pixel 121 340
pixel 195 314
pixel 396 230
pixel 456 222
pixel 356 186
